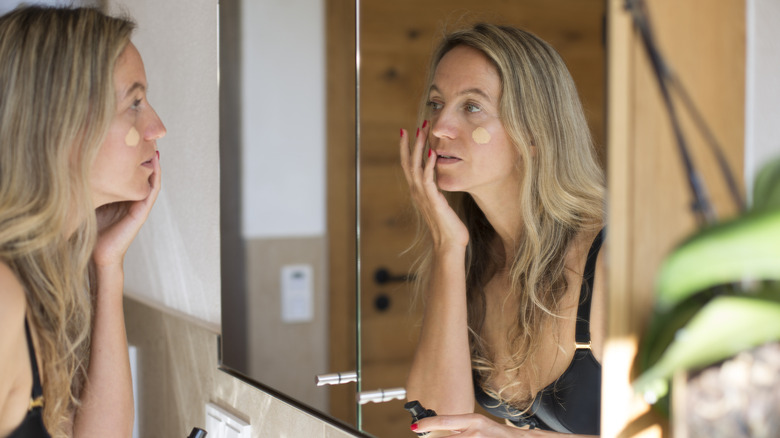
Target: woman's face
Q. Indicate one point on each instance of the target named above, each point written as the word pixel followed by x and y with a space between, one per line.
pixel 124 162
pixel 474 151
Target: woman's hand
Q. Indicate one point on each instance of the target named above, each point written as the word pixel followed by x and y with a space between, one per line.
pixel 447 230
pixel 468 425
pixel 474 425
pixel 119 223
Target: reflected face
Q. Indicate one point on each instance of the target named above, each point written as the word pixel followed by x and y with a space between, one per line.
pixel 473 149
pixel 124 162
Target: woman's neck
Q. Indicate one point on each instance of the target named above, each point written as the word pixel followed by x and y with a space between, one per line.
pixel 502 209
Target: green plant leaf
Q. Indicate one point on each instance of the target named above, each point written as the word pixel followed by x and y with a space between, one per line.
pixel 747 248
pixel 663 327
pixel 723 328
pixel 766 187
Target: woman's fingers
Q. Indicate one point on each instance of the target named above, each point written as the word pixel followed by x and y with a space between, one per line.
pixel 465 425
pixel 412 155
pixel 428 174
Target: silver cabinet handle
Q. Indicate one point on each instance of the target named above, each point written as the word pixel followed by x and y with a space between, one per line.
pixel 381 395
pixel 336 378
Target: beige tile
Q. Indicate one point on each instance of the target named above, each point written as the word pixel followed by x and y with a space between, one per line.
pixel 178 375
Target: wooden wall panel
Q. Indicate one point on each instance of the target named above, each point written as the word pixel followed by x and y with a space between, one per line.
pixel 704 43
pixel 340 33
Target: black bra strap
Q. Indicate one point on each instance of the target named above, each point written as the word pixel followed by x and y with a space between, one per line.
pixel 37 390
pixel 582 334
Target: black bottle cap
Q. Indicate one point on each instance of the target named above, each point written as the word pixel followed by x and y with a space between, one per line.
pixel 418 411
pixel 197 433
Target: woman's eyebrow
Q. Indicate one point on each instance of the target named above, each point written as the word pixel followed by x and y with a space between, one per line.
pixel 135 86
pixel 477 91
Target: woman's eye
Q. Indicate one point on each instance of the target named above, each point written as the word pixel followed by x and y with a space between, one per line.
pixel 435 106
pixel 470 107
pixel 136 104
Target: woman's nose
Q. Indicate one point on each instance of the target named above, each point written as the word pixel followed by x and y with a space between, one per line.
pixel 156 129
pixel 443 126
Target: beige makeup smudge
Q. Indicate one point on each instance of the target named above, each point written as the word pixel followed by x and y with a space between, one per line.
pixel 481 135
pixel 133 137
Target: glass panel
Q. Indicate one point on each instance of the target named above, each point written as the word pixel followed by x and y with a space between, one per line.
pixel 396 40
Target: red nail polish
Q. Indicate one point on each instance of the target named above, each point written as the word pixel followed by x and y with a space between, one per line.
pixel 418 133
pixel 429 153
pixel 402 132
pixel 425 123
pixel 413 427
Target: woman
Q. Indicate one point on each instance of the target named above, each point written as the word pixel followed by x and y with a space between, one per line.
pixel 505 251
pixel 79 173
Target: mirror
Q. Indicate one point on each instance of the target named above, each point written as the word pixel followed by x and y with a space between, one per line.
pixel 273 194
pixel 282 141
pixel 396 41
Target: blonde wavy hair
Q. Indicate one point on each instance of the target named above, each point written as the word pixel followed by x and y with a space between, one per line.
pixel 57 100
pixel 562 195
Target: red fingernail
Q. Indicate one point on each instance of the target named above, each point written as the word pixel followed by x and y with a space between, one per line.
pixel 402 132
pixel 429 153
pixel 418 133
pixel 425 123
pixel 413 427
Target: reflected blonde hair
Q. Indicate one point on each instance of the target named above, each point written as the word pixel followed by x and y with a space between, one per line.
pixel 57 101
pixel 562 195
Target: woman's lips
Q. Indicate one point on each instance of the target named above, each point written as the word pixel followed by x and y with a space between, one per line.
pixel 447 159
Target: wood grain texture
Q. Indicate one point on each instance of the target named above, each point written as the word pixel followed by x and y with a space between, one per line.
pixel 649 208
pixel 340 19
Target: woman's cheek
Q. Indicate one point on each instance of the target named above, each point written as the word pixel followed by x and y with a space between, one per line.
pixel 133 137
pixel 480 135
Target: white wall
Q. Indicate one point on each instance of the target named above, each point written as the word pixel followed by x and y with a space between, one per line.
pixel 762 106
pixel 174 262
pixel 7 5
pixel 283 122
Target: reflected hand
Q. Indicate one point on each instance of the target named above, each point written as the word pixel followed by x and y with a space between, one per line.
pixel 119 223
pixel 473 425
pixel 447 230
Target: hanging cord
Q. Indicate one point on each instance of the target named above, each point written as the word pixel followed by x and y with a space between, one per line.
pixel 712 142
pixel 701 205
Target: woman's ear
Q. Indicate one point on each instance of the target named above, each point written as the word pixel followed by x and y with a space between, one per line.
pixel 532 150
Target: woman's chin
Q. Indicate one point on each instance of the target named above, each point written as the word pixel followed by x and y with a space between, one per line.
pixel 448 185
pixel 137 194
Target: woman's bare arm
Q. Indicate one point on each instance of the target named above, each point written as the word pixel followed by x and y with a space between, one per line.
pixel 107 397
pixel 440 377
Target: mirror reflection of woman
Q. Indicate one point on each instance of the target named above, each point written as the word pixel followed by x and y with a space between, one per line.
pixel 79 173
pixel 503 173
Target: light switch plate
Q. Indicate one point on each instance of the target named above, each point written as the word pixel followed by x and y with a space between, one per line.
pixel 297 293
pixel 222 424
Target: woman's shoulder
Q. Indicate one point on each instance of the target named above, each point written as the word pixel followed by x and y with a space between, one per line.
pixel 16 377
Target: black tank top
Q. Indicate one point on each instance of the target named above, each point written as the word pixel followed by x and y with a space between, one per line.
pixel 32 425
pixel 571 404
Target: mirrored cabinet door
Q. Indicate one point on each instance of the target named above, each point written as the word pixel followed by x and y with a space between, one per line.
pixel 288 302
pixel 396 41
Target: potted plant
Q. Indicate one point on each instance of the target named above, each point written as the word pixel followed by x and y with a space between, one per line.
pixel 716 323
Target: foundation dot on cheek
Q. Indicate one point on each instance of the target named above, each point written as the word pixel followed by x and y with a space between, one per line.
pixel 481 135
pixel 133 137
